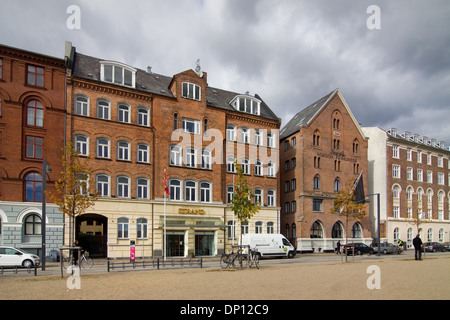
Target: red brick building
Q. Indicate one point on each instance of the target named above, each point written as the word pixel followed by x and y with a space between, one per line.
pixel 133 124
pixel 32 111
pixel 322 149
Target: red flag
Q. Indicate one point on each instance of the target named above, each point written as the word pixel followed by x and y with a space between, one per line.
pixel 166 189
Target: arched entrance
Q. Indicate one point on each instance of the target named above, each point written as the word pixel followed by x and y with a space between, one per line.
pixel 92 234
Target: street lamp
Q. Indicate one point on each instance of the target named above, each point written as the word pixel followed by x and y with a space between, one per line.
pixel 45 169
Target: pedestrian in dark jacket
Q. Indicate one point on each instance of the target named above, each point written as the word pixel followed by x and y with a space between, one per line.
pixel 417 243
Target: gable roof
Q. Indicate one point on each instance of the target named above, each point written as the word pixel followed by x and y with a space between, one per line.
pixel 307 115
pixel 87 67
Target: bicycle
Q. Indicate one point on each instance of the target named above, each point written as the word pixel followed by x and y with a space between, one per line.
pixel 254 258
pixel 234 259
pixel 85 260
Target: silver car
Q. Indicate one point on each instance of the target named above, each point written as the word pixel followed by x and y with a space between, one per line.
pixel 12 257
pixel 386 248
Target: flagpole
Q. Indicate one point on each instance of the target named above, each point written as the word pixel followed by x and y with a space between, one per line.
pixel 165 238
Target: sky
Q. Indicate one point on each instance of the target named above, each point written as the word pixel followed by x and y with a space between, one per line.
pixel 390 59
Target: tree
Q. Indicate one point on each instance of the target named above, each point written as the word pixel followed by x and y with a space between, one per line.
pixel 345 205
pixel 74 192
pixel 242 203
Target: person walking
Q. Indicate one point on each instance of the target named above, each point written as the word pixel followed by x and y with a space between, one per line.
pixel 338 247
pixel 417 243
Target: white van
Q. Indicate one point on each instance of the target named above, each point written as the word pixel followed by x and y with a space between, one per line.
pixel 269 245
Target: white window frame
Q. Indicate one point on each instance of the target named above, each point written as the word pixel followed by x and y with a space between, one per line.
pixel 103 149
pixel 142 189
pixel 103 109
pixel 190 192
pixel 81 108
pixel 123 113
pixel 205 191
pixel 191 126
pixel 119 73
pixel 103 187
pixel 143 153
pixel 82 146
pixel 175 188
pixel 206 159
pixel 175 155
pixel 191 157
pixel 143 117
pixel 123 187
pixel 123 150
pixel 191 90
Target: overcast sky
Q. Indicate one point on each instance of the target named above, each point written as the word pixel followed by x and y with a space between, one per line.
pixel 290 52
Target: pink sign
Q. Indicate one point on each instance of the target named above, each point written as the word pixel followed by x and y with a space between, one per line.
pixel 132 253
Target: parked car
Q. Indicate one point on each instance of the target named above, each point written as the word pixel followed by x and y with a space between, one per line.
pixel 446 246
pixel 387 247
pixel 433 246
pixel 359 248
pixel 12 257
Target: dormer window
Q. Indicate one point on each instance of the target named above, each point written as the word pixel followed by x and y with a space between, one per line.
pixel 191 91
pixel 117 73
pixel 246 104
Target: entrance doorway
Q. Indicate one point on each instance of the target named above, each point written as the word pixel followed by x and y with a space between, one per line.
pixel 175 245
pixel 92 234
pixel 204 244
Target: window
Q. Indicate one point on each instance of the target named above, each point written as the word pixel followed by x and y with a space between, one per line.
pixel 271 140
pixel 123 113
pixel 355 146
pixel 117 73
pixel 103 109
pixel 230 165
pixel 34 147
pixel 123 151
pixel 420 175
pixel 175 155
pixel 396 212
pixel 337 185
pixel 258 196
pixel 122 228
pixel 317 163
pixel 191 126
pixel 258 137
pixel 102 182
pixel 337 231
pixel 258 168
pixel 190 191
pixel 35 76
pixel 143 117
pixel 231 132
pixel 142 188
pixel 316 183
pixel 271 198
pixel 82 145
pixel 356 230
pixel 175 189
pixel 205 192
pixel 191 157
pixel 123 187
pixel 142 228
pixel 258 227
pixel 270 169
pixel 287 207
pixel 245 135
pixel 395 152
pixel 293 184
pixel 231 229
pixel 293 206
pixel 409 174
pixel 396 171
pixel 430 176
pixel 246 104
pixel 82 106
pixel 293 163
pixel 396 192
pixel 206 159
pixel 270 228
pixel 316 230
pixel 33 225
pixel 317 205
pixel 245 166
pixel 230 192
pixel 103 148
pixel 35 113
pixel 143 153
pixel 441 179
pixel 33 187
pixel 286 186
pixel 175 121
pixel 316 138
pixel 191 91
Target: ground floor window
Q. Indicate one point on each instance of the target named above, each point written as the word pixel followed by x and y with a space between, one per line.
pixel 204 244
pixel 175 245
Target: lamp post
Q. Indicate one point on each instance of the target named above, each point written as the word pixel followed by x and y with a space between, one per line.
pixel 45 169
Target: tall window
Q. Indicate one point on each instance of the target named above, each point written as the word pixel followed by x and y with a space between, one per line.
pixel 205 192
pixel 142 188
pixel 123 187
pixel 175 155
pixel 34 147
pixel 143 153
pixel 103 148
pixel 143 117
pixel 191 157
pixel 82 145
pixel 35 76
pixel 82 106
pixel 123 113
pixel 102 182
pixel 271 198
pixel 122 228
pixel 231 132
pixel 142 228
pixel 33 187
pixel 190 190
pixel 258 168
pixel 123 151
pixel 206 159
pixel 175 189
pixel 35 113
pixel 104 109
pixel 316 230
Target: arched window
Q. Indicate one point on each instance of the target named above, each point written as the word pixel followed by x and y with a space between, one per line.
pixel 175 189
pixel 33 187
pixel 33 225
pixel 356 230
pixel 316 230
pixel 35 114
pixel 122 228
pixel 316 182
pixel 142 228
pixel 337 231
pixel 316 138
